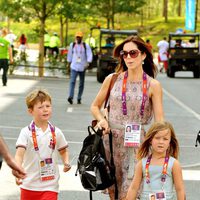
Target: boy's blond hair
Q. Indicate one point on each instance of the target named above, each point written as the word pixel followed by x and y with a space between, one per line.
pixel 35 96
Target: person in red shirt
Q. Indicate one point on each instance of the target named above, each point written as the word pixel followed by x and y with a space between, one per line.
pixel 149 45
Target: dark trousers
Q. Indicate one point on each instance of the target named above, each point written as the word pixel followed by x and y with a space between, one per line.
pixel 4 65
pixel 56 50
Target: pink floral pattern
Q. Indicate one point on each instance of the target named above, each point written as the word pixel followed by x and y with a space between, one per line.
pixel 133 101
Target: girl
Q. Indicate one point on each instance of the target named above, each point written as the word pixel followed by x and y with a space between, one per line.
pixel 158 168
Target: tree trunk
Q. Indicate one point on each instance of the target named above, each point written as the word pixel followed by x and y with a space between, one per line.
pixel 165 10
pixel 61 31
pixel 66 31
pixel 113 13
pixel 41 48
pixel 108 22
pixel 142 18
pixel 179 8
pixel 148 9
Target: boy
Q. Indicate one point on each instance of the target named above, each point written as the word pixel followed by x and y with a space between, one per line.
pixel 37 148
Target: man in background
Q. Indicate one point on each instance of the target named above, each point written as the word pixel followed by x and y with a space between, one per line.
pixel 54 45
pixel 11 37
pixel 46 43
pixel 91 41
pixel 79 56
pixel 163 47
pixel 5 54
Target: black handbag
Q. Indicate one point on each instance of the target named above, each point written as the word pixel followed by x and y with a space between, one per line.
pixel 96 173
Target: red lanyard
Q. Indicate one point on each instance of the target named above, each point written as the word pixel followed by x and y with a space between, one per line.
pixel 35 144
pixel 164 171
pixel 144 93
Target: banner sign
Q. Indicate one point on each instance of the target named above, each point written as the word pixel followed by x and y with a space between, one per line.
pixel 190 14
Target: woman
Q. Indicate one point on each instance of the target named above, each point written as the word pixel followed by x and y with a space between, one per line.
pixel 135 97
pixel 22 46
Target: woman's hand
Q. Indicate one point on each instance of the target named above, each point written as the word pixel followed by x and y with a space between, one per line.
pixel 103 125
pixel 67 167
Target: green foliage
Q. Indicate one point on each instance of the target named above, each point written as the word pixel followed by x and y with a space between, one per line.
pixel 143 15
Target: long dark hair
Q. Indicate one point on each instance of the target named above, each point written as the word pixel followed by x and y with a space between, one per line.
pixel 149 67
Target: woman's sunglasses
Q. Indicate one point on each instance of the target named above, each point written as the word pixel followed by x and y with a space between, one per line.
pixel 132 53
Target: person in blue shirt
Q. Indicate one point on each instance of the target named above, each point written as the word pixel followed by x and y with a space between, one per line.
pixel 79 56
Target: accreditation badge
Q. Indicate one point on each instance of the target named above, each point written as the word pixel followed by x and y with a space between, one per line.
pixel 78 59
pixel 157 196
pixel 47 169
pixel 132 135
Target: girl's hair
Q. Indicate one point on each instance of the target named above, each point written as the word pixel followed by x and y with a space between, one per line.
pixel 145 148
pixel 149 67
pixel 38 95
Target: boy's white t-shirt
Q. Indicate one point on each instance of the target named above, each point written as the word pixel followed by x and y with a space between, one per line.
pixel 31 157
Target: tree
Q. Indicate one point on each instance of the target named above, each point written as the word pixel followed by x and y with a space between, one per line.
pixel 71 10
pixel 109 8
pixel 33 9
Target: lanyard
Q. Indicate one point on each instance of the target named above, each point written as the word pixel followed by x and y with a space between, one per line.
pixel 144 93
pixel 35 143
pixel 164 171
pixel 76 48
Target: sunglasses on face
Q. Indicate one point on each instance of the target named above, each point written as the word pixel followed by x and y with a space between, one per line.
pixel 132 53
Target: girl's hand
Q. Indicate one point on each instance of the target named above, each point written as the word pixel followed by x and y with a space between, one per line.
pixel 18 181
pixel 67 167
pixel 103 124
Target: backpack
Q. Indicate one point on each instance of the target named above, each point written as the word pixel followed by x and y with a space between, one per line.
pixel 83 45
pixel 95 172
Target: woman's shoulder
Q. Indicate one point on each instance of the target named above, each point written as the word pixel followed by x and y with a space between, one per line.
pixel 113 76
pixel 154 85
pixel 154 82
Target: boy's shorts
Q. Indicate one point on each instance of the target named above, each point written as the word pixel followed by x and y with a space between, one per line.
pixel 39 195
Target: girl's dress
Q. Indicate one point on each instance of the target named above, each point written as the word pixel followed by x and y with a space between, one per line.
pixel 155 173
pixel 117 122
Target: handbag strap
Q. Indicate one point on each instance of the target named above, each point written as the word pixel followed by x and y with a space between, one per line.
pixel 112 81
pixel 113 164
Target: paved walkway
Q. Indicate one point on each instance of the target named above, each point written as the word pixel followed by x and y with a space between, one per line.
pixel 12 97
